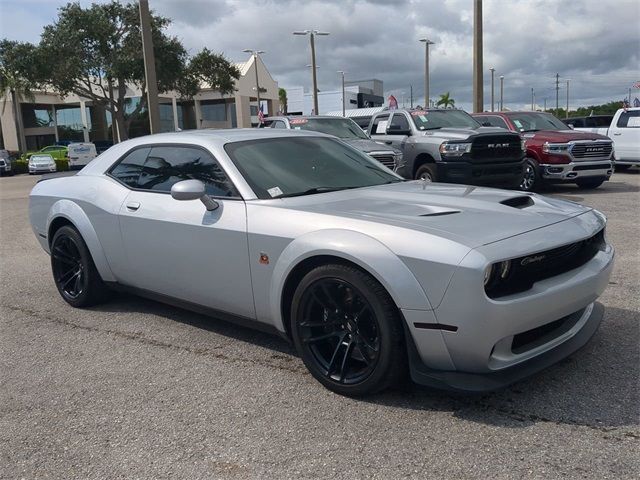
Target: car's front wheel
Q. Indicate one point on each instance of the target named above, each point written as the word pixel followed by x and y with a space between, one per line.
pixel 530 178
pixel 347 330
pixel 426 172
pixel 74 272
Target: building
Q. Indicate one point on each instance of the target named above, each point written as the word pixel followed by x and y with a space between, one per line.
pixel 51 118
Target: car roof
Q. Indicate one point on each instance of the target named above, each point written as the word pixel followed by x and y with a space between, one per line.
pixel 306 117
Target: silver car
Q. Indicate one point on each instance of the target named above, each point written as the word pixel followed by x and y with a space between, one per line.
pixel 298 233
pixel 41 163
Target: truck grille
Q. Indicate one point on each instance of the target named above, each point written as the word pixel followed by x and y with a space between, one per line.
pixel 387 160
pixel 525 271
pixel 496 148
pixel 590 150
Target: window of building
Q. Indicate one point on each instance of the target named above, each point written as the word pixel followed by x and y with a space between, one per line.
pixel 214 110
pixel 37 116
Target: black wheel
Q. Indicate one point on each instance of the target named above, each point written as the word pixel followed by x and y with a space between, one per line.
pixel 530 176
pixel 74 272
pixel 589 184
pixel 426 172
pixel 622 168
pixel 347 330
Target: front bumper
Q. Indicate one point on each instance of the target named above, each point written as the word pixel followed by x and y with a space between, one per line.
pixel 42 169
pixel 570 172
pixel 471 173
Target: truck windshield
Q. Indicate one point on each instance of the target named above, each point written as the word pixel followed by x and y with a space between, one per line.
pixel 533 121
pixel 434 119
pixel 338 127
pixel 295 166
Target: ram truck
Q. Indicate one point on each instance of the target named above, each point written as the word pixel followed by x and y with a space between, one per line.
pixel 450 146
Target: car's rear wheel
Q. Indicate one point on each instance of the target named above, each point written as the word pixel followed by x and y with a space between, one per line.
pixel 74 272
pixel 347 330
pixel 426 172
pixel 589 184
pixel 530 178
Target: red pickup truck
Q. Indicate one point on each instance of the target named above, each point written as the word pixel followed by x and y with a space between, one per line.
pixel 555 153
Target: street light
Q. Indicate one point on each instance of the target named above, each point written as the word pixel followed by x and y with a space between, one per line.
pixel 312 34
pixel 501 93
pixel 493 71
pixel 255 54
pixel 426 42
pixel 341 72
pixel 566 115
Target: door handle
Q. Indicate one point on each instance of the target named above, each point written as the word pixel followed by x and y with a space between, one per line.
pixel 388 142
pixel 617 134
pixel 133 206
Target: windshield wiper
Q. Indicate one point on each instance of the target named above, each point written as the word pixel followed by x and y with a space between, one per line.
pixel 312 191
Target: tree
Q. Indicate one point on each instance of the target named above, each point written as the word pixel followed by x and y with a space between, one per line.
pixel 17 78
pixel 96 53
pixel 446 101
pixel 282 96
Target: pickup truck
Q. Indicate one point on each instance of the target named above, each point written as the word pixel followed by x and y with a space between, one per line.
pixel 555 153
pixel 346 130
pixel 624 130
pixel 450 146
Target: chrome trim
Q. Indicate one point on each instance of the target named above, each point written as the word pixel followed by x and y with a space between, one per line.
pixel 567 172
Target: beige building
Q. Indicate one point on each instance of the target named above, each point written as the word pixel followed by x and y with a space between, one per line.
pixel 51 118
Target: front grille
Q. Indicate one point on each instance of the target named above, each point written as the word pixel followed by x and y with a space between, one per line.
pixel 525 271
pixel 496 148
pixel 589 150
pixel 387 160
pixel 525 341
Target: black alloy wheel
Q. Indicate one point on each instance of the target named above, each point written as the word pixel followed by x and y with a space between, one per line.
pixel 530 180
pixel 347 331
pixel 426 172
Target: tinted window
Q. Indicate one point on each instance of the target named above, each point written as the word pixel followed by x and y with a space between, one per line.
pixel 398 123
pixel 533 121
pixel 363 122
pixel 630 119
pixel 129 168
pixel 379 125
pixel 338 127
pixel 492 120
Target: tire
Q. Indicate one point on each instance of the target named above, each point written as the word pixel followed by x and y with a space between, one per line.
pixel 622 168
pixel 348 331
pixel 74 272
pixel 428 171
pixel 530 176
pixel 589 184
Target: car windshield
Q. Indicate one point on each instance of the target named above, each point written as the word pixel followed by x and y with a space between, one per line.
pixel 293 166
pixel 41 158
pixel 434 119
pixel 532 121
pixel 338 127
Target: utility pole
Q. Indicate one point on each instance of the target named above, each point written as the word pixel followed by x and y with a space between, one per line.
pixel 149 67
pixel 501 93
pixel 557 92
pixel 343 106
pixel 255 54
pixel 312 34
pixel 545 104
pixel 478 101
pixel 566 115
pixel 411 94
pixel 493 71
pixel 426 42
pixel 533 99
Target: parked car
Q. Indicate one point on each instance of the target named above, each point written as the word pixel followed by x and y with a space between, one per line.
pixel 58 152
pixel 80 154
pixel 5 163
pixel 624 130
pixel 555 153
pixel 450 146
pixel 298 233
pixel 346 130
pixel 592 123
pixel 41 163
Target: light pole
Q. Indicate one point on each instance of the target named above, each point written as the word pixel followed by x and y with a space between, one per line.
pixel 343 99
pixel 566 115
pixel 426 42
pixel 312 34
pixel 501 93
pixel 478 100
pixel 493 71
pixel 255 54
pixel 533 99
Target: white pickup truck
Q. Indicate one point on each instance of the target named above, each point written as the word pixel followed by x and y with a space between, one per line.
pixel 625 133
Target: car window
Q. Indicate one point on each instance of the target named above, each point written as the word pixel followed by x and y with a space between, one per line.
pixel 363 122
pixel 128 169
pixel 629 119
pixel 338 127
pixel 166 165
pixel 379 125
pixel 398 123
pixel 278 124
pixel 493 120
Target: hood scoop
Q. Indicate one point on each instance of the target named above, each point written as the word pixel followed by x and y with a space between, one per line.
pixel 439 214
pixel 518 202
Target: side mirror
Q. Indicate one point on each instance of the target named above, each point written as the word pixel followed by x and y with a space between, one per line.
pixel 398 131
pixel 193 190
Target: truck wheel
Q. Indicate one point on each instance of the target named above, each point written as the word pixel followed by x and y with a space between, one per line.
pixel 426 172
pixel 530 176
pixel 589 184
pixel 622 168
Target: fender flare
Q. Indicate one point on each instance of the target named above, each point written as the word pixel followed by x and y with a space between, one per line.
pixel 74 213
pixel 368 253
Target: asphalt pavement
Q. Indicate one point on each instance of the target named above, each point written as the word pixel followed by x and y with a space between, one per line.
pixel 137 389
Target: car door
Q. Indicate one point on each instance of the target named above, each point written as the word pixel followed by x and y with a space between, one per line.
pixel 626 135
pixel 397 130
pixel 178 248
pixel 379 128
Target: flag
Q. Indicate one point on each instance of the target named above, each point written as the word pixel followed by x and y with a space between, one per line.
pixel 636 85
pixel 393 102
pixel 636 102
pixel 261 115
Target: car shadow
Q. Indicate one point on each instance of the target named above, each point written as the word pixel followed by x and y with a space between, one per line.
pixel 596 387
pixel 615 185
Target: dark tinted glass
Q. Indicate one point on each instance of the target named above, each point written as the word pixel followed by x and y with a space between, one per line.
pixel 128 170
pixel 338 127
pixel 492 120
pixel 623 120
pixel 168 165
pixel 398 123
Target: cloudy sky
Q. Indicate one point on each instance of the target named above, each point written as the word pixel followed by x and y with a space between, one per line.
pixel 594 43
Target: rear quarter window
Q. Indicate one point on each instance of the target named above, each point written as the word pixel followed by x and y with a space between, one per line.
pixel 630 119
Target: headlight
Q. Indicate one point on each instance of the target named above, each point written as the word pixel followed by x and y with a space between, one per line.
pixel 557 148
pixel 496 273
pixel 455 148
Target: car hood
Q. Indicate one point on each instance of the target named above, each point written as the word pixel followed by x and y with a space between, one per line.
pixel 463 133
pixel 472 216
pixel 366 145
pixel 559 136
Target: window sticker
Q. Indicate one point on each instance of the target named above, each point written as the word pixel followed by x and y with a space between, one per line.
pixel 297 128
pixel 633 122
pixel 423 118
pixel 518 123
pixel 274 191
pixel 298 121
pixel 420 113
pixel 382 126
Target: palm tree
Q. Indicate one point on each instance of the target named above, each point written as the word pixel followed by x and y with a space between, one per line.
pixel 282 96
pixel 446 101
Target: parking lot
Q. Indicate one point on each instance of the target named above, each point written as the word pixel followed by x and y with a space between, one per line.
pixel 139 389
